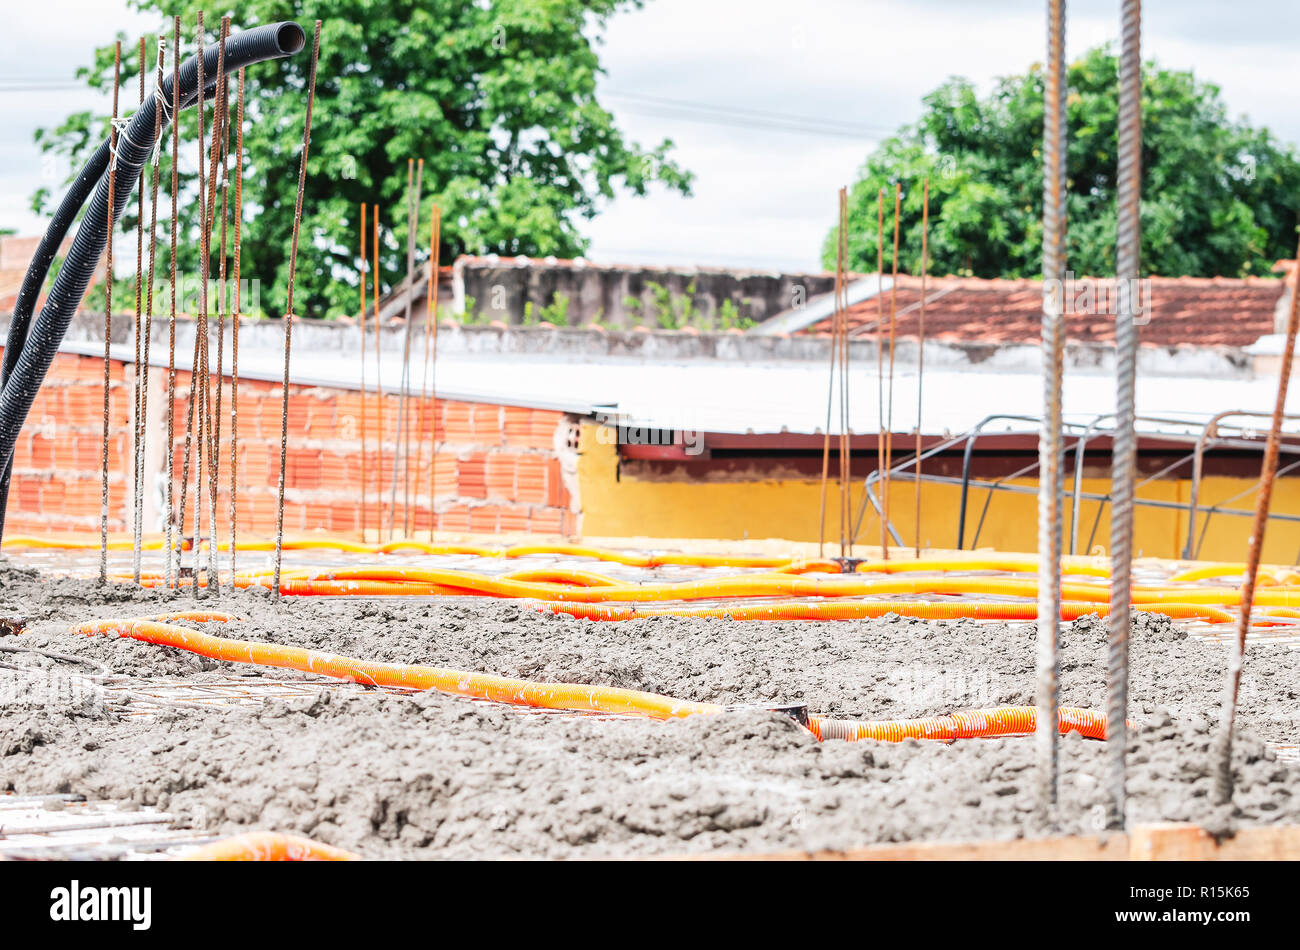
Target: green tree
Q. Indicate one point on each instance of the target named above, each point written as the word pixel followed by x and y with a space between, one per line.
pixel 1219 197
pixel 498 97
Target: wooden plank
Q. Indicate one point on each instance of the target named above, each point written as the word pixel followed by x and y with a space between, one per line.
pixel 1168 841
pixel 1081 848
pixel 1178 842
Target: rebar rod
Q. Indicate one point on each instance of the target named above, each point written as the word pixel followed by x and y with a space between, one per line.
pixel 920 353
pixel 402 449
pixel 1049 433
pixel 136 461
pixel 846 448
pixel 222 305
pixel 212 407
pixel 108 321
pixel 379 383
pixel 234 325
pixel 365 504
pixel 142 415
pixel 171 570
pixel 893 327
pixel 880 356
pixel 1124 451
pixel 1221 766
pixel 431 320
pixel 288 315
pixel 830 381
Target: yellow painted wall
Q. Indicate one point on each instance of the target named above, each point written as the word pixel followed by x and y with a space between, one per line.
pixel 788 508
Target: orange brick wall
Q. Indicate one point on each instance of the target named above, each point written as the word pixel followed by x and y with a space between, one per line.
pixel 497 467
pixel 57 475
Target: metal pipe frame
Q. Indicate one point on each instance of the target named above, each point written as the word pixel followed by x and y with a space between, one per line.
pixel 1198 458
pixel 1090 431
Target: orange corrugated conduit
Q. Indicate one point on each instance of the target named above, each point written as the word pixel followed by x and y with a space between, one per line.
pixel 1000 721
pixel 569 578
pixel 975 724
pixel 501 689
pixel 269 846
pixel 744 585
pixel 927 610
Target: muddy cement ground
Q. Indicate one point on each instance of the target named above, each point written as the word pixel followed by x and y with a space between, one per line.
pixel 436 776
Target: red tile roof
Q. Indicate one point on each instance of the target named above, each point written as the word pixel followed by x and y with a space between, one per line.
pixel 1200 311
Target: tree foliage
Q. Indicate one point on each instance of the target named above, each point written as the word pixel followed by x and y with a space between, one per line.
pixel 498 98
pixel 1219 197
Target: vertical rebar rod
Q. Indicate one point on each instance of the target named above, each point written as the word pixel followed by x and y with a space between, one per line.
pixel 169 526
pixel 880 356
pixel 190 445
pixel 846 457
pixel 288 315
pixel 379 382
pixel 1049 435
pixel 401 384
pixel 212 406
pixel 223 304
pixel 830 381
pixel 920 352
pixel 1221 766
pixel 435 256
pixel 889 410
pixel 234 325
pixel 410 328
pixel 426 409
pixel 136 462
pixel 108 319
pixel 142 414
pixel 1124 458
pixel 401 450
pixel 365 504
pixel 199 373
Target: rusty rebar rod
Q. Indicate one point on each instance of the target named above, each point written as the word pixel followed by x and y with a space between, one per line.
pixel 889 410
pixel 190 442
pixel 234 325
pixel 1049 434
pixel 846 447
pixel 1128 248
pixel 379 384
pixel 402 450
pixel 880 357
pixel 830 381
pixel 142 414
pixel 431 330
pixel 288 315
pixel 136 461
pixel 365 503
pixel 171 570
pixel 1221 766
pixel 108 319
pixel 410 282
pixel 920 352
pixel 220 154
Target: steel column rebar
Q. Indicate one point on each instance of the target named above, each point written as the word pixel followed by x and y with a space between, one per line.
pixel 1124 452
pixel 1049 438
pixel 1222 748
pixel 288 312
pixel 108 318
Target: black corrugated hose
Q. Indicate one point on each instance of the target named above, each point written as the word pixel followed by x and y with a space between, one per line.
pixel 31 345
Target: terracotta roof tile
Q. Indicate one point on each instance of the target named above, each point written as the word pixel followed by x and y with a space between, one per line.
pixel 1201 311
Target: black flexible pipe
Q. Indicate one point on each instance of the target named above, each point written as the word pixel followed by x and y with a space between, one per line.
pixel 30 347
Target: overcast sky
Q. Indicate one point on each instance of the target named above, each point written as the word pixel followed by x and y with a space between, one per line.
pixel 773 105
